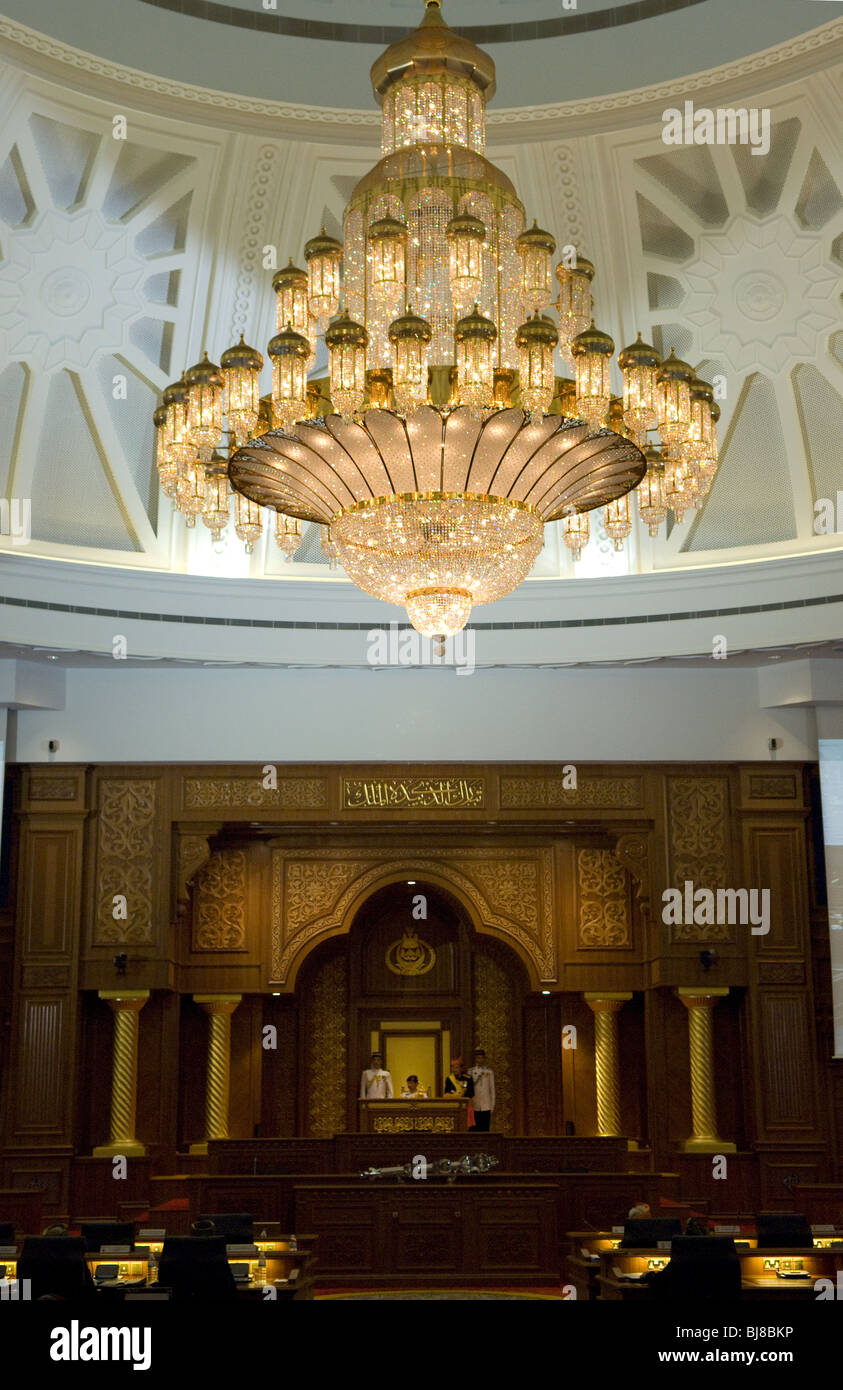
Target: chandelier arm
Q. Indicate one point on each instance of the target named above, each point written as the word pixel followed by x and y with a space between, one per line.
pixel 379 453
pixel 367 482
pixel 599 500
pixel 497 449
pixel 525 464
pixel 542 477
pixel 310 440
pixel 411 451
pixel 325 497
pixel 477 439
pixel 255 483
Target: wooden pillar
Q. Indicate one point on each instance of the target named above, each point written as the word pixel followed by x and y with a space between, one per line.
pixel 606 1008
pixel 700 1004
pixel 126 1008
pixel 219 1008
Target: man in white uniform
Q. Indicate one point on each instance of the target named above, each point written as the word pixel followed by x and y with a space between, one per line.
pixel 484 1090
pixel 376 1082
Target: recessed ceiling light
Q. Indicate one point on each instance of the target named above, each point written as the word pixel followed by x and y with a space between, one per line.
pixel 411 883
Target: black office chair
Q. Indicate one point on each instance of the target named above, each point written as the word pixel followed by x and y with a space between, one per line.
pixel 238 1227
pixel 645 1232
pixel 783 1230
pixel 195 1267
pixel 56 1267
pixel 96 1234
pixel 701 1268
pixel 7 1233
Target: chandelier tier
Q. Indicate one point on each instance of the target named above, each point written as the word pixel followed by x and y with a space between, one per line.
pixel 442 442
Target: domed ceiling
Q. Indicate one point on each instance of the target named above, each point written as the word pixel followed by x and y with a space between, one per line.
pixel 120 261
pixel 320 52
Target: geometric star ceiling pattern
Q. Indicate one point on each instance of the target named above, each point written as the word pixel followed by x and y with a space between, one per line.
pixel 134 255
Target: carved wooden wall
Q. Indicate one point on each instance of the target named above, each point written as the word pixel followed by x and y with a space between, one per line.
pixel 229 884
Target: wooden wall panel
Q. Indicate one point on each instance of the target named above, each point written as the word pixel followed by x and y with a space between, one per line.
pixel 51 867
pixel 39 1081
pixel 785 1031
pixel 542 1067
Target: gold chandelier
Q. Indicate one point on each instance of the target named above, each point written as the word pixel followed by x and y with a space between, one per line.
pixel 443 441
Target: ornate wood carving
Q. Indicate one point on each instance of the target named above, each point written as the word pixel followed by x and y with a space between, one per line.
pixel 603 898
pixel 326 1046
pixel 763 786
pixel 413 793
pixel 45 977
pixel 633 851
pixel 494 1018
pixel 698 832
pixel 544 793
pixel 219 919
pixel 193 853
pixel 244 793
pixel 312 890
pixel 781 972
pixel 52 788
pixel 125 858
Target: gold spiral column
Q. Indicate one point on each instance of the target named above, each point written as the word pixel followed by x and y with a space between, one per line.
pixel 606 1008
pixel 219 1008
pixel 124 1073
pixel 700 1005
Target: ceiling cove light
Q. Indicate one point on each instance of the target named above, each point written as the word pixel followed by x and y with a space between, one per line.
pixel 441 443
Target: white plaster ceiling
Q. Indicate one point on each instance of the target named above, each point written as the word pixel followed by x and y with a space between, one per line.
pixel 120 261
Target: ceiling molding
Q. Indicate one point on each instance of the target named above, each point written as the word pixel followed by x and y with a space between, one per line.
pixel 49 58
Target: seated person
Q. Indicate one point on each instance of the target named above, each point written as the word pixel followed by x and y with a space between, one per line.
pixel 412 1090
pixel 458 1083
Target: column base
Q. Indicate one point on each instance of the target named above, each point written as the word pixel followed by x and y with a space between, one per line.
pixel 199 1148
pixel 131 1148
pixel 709 1146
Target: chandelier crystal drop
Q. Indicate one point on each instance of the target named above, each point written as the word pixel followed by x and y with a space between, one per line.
pixel 215 510
pixel 440 442
pixel 289 352
pixel 204 407
pixel 288 534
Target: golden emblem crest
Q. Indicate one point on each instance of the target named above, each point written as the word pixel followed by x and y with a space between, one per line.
pixel 410 955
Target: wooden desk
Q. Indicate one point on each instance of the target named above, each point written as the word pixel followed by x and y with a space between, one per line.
pixel 413 1116
pixel 486 1229
pixel 758 1281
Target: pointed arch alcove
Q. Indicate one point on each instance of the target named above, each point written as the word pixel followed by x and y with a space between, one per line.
pixel 458 988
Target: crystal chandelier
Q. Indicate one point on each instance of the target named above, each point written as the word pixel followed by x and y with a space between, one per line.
pixel 452 441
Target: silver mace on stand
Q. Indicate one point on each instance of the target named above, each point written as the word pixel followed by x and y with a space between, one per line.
pixel 450 1168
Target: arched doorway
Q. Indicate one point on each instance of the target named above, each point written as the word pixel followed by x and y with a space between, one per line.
pixel 414 980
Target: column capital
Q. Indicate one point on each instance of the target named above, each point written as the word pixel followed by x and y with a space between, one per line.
pixel 702 998
pixel 218 1003
pixel 600 1002
pixel 124 999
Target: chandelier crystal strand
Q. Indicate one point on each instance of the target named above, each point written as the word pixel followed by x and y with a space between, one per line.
pixel 288 534
pixel 652 507
pixel 190 495
pixel 323 255
pixel 215 513
pixel 677 494
pixel 290 286
pixel 248 523
pixel 638 364
pixel 466 237
pixel 329 547
pixel 535 249
pixel 289 352
pixel 241 369
pixel 204 407
pixel 346 342
pixel 696 446
pixel 176 441
pixel 168 469
pixel 475 337
pixel 437 553
pixel 576 530
pixel 410 336
pixel 617 521
pixel 388 260
pixel 673 401
pixel 710 459
pixel 536 340
pixel 592 351
pixel 574 304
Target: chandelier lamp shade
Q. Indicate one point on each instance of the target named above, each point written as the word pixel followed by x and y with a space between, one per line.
pixel 443 440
